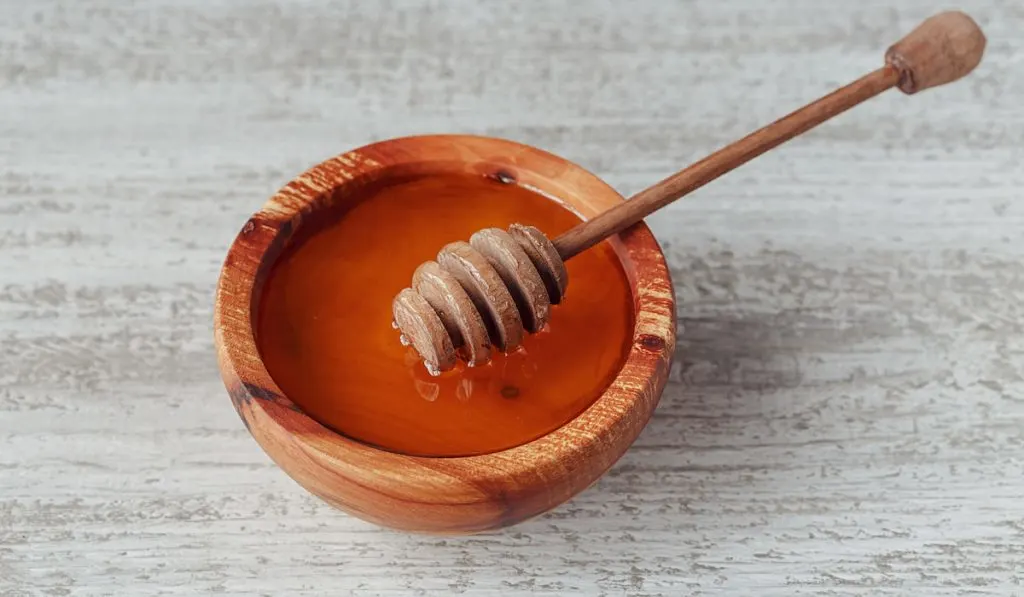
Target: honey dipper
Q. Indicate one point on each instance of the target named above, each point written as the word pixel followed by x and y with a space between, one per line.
pixel 502 283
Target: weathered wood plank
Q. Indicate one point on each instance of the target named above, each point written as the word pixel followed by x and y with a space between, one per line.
pixel 847 413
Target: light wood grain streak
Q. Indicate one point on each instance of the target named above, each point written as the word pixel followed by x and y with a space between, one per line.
pixel 846 415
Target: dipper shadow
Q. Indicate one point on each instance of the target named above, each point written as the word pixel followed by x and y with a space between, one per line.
pixel 745 411
pixel 748 433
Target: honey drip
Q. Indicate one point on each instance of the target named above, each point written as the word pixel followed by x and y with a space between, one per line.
pixel 325 331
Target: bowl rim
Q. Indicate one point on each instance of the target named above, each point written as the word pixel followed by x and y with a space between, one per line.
pixel 617 416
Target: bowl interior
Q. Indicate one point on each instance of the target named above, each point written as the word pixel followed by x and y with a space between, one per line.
pixel 325 323
pixel 472 492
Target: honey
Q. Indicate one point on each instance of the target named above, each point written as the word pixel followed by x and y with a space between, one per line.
pixel 324 324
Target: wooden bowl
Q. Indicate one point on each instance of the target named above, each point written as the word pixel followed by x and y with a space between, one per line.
pixel 441 495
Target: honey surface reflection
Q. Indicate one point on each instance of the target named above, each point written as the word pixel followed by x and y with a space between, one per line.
pixel 325 334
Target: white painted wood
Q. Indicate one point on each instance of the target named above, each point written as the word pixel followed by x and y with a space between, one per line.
pixel 847 413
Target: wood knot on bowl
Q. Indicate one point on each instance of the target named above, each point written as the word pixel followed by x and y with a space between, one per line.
pixel 652 343
pixel 504 176
pixel 488 292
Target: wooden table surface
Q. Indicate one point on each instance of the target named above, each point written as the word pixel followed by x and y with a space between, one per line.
pixel 846 415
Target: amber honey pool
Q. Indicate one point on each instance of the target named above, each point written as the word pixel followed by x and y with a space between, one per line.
pixel 324 324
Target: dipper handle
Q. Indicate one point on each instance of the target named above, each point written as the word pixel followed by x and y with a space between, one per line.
pixel 940 50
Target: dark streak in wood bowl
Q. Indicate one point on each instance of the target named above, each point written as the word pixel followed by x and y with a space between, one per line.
pixel 441 495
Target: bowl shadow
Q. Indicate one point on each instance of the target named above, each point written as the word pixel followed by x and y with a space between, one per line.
pixel 765 352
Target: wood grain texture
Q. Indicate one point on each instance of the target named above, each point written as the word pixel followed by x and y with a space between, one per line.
pixel 452 495
pixel 846 417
